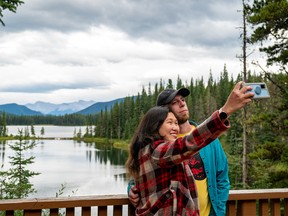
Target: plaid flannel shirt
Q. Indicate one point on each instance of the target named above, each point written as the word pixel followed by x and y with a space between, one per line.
pixel 165 182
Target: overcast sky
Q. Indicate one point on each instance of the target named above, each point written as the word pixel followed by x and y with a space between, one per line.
pixel 68 50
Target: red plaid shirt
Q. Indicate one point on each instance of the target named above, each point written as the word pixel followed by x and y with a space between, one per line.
pixel 165 182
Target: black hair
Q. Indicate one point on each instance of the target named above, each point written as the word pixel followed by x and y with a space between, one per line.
pixel 146 133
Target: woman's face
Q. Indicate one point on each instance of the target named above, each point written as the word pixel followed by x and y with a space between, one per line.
pixel 170 128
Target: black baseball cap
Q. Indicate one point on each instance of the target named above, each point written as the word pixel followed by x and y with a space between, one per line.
pixel 167 95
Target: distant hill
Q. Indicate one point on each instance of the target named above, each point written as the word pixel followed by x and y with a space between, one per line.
pixel 97 107
pixel 16 109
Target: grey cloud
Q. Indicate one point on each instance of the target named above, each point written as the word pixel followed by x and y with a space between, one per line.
pixel 176 22
pixel 50 87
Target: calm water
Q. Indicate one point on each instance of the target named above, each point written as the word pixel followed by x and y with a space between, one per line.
pixel 49 130
pixel 84 169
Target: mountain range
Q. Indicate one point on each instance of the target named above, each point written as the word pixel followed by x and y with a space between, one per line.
pixel 59 109
pixel 45 108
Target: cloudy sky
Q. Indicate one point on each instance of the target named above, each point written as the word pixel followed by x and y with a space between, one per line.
pixel 68 50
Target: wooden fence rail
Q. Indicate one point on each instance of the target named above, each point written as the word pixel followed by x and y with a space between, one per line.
pixel 262 202
pixel 270 202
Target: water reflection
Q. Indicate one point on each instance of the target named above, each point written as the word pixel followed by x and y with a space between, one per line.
pixel 2 151
pixel 84 168
pixel 105 153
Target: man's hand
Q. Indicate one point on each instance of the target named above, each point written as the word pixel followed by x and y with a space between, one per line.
pixel 238 98
pixel 134 197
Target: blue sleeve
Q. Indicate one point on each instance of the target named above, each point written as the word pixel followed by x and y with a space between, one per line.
pixel 223 183
pixel 131 183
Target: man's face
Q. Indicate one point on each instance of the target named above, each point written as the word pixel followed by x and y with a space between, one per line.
pixel 179 107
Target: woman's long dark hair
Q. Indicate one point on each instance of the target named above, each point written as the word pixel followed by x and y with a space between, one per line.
pixel 146 133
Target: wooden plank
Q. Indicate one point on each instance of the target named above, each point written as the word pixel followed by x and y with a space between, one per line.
pixel 34 212
pixel 102 210
pixel 70 211
pixel 231 208
pixel 263 207
pixel 103 201
pixel 111 200
pixel 64 202
pixel 9 213
pixel 246 207
pixel 285 207
pixel 255 194
pixel 275 207
pixel 86 211
pixel 117 210
pixel 131 210
pixel 54 212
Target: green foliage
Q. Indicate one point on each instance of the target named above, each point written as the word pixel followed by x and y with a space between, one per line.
pixel 269 20
pixel 269 168
pixel 15 182
pixel 235 170
pixel 10 5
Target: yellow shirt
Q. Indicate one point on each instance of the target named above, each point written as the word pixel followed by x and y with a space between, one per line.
pixel 203 195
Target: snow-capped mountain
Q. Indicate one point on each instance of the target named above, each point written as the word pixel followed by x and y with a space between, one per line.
pixel 59 109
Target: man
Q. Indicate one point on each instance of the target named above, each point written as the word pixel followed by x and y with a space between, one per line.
pixel 209 166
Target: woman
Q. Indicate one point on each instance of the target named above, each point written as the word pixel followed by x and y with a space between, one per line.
pixel 157 162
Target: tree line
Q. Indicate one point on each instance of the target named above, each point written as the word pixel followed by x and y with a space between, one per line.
pixel 64 120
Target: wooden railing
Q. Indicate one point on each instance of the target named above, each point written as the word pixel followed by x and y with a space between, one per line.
pixel 271 202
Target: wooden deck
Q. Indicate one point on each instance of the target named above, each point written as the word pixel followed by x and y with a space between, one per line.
pixel 268 202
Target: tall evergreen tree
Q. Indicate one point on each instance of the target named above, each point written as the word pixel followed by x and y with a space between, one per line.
pixel 269 21
pixel 170 84
pixel 179 83
pixel 17 183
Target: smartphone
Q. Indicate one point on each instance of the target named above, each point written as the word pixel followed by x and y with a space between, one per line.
pixel 260 90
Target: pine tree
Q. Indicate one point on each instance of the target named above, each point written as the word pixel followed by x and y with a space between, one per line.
pixel 32 130
pixel 42 131
pixel 17 183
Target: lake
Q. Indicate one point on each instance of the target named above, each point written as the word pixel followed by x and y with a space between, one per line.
pixel 83 168
pixel 51 131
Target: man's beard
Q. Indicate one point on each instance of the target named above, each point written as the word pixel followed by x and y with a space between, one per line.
pixel 183 118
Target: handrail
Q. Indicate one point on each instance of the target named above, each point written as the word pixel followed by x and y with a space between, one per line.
pixel 87 204
pixel 260 202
